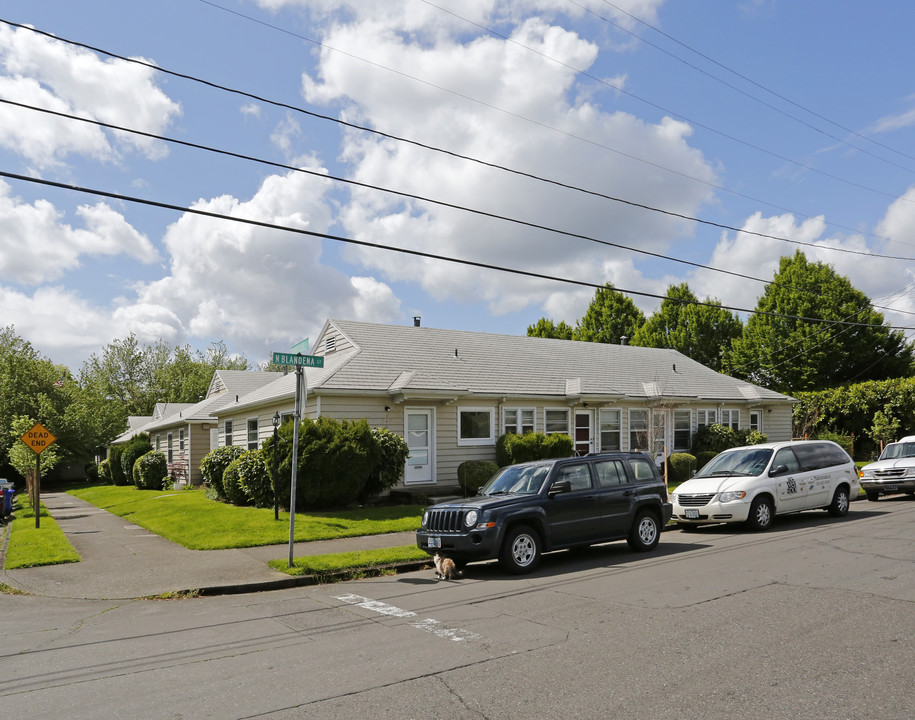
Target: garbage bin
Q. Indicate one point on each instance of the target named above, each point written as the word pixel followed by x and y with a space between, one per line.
pixel 8 492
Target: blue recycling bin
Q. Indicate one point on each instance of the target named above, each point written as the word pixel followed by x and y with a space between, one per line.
pixel 8 493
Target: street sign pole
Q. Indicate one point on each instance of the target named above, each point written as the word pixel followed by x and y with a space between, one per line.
pixel 38 438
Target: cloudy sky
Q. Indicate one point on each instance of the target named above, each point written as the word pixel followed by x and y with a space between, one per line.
pixel 587 140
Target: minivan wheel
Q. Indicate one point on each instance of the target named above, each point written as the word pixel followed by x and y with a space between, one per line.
pixel 839 505
pixel 520 551
pixel 645 532
pixel 761 514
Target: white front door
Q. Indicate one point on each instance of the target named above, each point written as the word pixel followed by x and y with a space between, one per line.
pixel 584 436
pixel 420 438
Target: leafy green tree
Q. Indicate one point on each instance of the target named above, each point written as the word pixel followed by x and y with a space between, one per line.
pixel 702 332
pixel 780 351
pixel 610 317
pixel 885 428
pixel 545 328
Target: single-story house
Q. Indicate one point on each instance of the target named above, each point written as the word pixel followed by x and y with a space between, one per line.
pixel 186 432
pixel 451 393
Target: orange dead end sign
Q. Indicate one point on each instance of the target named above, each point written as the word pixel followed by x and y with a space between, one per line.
pixel 38 438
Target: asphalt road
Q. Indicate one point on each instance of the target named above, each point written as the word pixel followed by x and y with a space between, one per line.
pixel 813 619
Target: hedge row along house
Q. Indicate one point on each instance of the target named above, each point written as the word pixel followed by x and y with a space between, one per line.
pixel 451 393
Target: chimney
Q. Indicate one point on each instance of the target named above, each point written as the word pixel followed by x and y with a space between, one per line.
pixel 416 319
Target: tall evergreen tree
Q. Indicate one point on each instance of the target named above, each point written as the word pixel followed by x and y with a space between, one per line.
pixel 789 354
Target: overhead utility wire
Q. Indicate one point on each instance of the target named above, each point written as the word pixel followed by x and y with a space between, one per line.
pixel 403 251
pixel 552 128
pixel 751 81
pixel 674 113
pixel 451 153
pixel 411 196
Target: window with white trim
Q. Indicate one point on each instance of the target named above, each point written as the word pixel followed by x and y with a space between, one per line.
pixel 181 440
pixel 228 432
pixel 659 431
pixel 252 434
pixel 731 418
pixel 518 420
pixel 158 443
pixel 556 421
pixel 475 426
pixel 638 430
pixel 682 430
pixel 706 417
pixel 610 429
pixel 756 420
pixel 168 445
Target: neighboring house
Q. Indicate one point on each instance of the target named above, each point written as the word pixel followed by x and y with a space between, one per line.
pixel 452 393
pixel 186 432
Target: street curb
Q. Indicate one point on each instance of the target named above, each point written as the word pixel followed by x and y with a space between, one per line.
pixel 301 580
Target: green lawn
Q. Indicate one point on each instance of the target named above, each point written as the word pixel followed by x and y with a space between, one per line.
pixel 336 562
pixel 189 518
pixel 30 547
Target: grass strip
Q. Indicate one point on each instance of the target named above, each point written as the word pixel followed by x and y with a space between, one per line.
pixel 30 546
pixel 191 519
pixel 359 560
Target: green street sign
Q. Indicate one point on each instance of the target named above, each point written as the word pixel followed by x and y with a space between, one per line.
pixel 315 361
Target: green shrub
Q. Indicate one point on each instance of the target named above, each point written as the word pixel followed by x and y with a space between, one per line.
pixel 114 464
pixel 751 437
pixel 135 448
pixel 474 474
pixel 91 470
pixel 680 467
pixel 702 458
pixel 253 479
pixel 150 471
pixel 231 482
pixel 716 438
pixel 214 464
pixel 843 442
pixel 512 448
pixel 393 453
pixel 335 460
pixel 104 471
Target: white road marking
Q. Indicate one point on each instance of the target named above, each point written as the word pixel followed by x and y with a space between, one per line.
pixel 428 625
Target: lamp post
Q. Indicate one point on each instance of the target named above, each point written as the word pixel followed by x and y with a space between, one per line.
pixel 276 442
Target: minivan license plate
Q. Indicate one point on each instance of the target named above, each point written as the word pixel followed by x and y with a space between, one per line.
pixel 692 514
pixel 434 542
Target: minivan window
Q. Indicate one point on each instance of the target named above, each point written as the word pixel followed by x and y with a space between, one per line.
pixel 835 455
pixel 785 458
pixel 749 461
pixel 810 456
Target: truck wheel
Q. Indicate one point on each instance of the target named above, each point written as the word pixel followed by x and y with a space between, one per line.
pixel 520 551
pixel 872 495
pixel 645 532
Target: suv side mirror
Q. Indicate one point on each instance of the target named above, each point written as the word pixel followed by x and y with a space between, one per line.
pixel 560 486
pixel 779 470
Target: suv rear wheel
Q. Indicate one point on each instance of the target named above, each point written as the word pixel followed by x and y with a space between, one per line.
pixel 521 550
pixel 645 532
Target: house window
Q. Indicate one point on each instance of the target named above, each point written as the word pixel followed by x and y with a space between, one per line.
pixel 518 420
pixel 706 417
pixel 557 421
pixel 731 418
pixel 252 434
pixel 181 440
pixel 682 430
pixel 228 432
pixel 158 443
pixel 286 417
pixel 610 430
pixel 475 426
pixel 168 444
pixel 638 430
pixel 756 420
pixel 659 432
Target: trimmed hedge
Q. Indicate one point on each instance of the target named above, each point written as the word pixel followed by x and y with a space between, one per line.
pixel 474 474
pixel 135 448
pixel 246 480
pixel 680 467
pixel 150 471
pixel 214 464
pixel 104 472
pixel 512 448
pixel 114 463
pixel 393 453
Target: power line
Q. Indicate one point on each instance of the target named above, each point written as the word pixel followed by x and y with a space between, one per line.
pixel 411 196
pixel 404 251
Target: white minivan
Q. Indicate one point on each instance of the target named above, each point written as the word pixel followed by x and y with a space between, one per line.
pixel 753 484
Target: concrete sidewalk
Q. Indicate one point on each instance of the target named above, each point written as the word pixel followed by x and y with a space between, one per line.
pixel 121 560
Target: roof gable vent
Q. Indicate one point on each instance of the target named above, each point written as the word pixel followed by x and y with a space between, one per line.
pixel 330 344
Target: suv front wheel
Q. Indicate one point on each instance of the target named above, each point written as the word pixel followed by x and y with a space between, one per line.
pixel 645 532
pixel 521 550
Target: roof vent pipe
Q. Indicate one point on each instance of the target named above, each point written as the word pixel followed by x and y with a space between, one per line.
pixel 416 319
pixel 624 340
pixel 455 353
